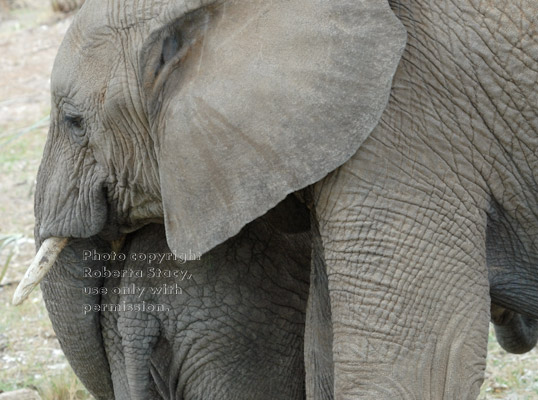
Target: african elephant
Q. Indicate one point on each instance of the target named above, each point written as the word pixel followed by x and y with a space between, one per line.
pixel 408 129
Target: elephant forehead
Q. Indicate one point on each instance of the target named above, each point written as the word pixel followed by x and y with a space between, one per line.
pixel 104 30
pixel 76 74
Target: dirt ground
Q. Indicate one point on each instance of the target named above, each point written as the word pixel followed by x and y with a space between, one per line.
pixel 29 352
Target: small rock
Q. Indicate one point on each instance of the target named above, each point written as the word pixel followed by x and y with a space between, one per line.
pixel 23 394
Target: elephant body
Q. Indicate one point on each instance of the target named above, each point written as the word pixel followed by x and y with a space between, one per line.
pixel 440 176
pixel 406 129
pixel 234 331
pixel 229 325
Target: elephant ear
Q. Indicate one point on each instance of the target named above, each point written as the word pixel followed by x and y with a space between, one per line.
pixel 261 99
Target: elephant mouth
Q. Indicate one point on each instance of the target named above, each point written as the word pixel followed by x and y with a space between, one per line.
pixel 113 228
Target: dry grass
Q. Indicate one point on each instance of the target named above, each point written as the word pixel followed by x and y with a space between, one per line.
pixel 29 352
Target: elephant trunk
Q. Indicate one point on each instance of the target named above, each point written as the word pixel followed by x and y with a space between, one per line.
pixel 515 333
pixel 73 316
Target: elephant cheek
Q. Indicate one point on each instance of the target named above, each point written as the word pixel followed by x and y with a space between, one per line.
pixel 71 311
pixel 70 199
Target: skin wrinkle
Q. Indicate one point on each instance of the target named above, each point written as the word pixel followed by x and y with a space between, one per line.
pixel 441 94
pixel 489 98
pixel 139 116
pixel 422 166
pixel 514 235
pixel 523 257
pixel 84 193
pixel 459 113
pixel 127 189
pixel 519 109
pixel 211 346
pixel 426 140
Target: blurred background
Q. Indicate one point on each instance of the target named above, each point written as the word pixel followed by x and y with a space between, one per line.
pixel 30 356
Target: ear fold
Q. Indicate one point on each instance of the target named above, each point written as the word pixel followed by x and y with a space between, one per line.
pixel 269 98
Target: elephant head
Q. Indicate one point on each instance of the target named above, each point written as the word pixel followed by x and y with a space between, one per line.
pixel 202 114
pixel 143 92
pixel 419 161
pixel 234 332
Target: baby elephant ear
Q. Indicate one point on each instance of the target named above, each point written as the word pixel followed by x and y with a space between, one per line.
pixel 267 98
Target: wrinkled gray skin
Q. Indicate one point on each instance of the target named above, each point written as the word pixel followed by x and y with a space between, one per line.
pixel 235 332
pixel 207 114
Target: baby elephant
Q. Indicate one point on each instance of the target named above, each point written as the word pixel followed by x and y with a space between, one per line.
pixel 229 325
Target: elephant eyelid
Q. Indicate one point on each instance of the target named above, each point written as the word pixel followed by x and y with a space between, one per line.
pixel 75 123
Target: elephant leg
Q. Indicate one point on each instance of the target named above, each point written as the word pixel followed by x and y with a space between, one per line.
pixel 141 335
pixel 516 333
pixel 318 328
pixel 130 338
pixel 407 280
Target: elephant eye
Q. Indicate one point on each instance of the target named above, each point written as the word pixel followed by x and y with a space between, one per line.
pixel 75 124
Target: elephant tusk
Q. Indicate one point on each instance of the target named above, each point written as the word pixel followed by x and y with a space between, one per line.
pixel 42 263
